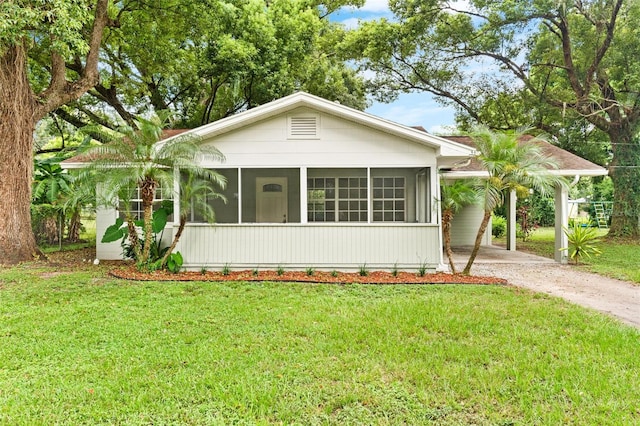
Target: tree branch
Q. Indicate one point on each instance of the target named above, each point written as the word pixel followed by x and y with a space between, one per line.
pixel 59 93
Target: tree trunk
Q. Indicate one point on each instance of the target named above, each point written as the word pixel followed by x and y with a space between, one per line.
pixel 17 125
pixel 174 243
pixel 447 217
pixel 478 242
pixel 147 194
pixel 73 233
pixel 625 175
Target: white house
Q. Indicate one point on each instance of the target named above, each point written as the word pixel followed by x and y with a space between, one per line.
pixel 312 183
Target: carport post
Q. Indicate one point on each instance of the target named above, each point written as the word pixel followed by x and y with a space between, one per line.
pixel 562 220
pixel 511 220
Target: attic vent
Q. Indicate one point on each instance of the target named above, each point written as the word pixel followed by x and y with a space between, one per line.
pixel 304 127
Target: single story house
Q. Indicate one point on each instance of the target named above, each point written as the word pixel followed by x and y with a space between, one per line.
pixel 313 183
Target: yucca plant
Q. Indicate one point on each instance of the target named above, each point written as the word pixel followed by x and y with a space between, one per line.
pixel 582 242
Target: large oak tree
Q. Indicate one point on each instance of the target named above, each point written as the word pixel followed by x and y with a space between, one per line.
pixel 40 37
pixel 543 60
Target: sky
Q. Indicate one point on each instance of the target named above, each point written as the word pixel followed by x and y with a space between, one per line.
pixel 412 109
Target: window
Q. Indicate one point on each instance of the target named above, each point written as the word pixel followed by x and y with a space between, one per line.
pixel 388 199
pixel 135 203
pixel 321 203
pixel 337 199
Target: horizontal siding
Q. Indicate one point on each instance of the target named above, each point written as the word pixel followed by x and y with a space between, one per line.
pixel 341 247
pixel 464 227
pixel 340 143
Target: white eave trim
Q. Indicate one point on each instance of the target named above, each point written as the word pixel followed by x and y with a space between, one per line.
pixel 560 172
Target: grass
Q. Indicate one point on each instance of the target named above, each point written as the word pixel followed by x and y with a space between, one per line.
pixel 618 259
pixel 81 348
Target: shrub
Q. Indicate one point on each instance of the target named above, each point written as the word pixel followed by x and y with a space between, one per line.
pixel 498 226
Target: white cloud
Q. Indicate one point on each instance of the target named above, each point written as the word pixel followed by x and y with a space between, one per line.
pixel 461 5
pixel 351 23
pixel 375 6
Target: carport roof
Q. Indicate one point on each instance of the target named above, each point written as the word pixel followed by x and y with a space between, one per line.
pixel 569 164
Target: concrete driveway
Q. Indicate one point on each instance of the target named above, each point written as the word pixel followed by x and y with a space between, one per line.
pixel 617 298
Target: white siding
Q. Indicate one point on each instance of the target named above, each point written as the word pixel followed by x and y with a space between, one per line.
pixel 340 143
pixel 325 246
pixel 464 227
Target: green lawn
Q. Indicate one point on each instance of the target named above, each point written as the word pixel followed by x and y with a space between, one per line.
pixel 619 260
pixel 82 348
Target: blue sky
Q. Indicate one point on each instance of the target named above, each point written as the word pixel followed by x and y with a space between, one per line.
pixel 413 109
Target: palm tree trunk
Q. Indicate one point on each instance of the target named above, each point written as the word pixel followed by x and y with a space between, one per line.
pixel 447 216
pixel 133 238
pixel 476 246
pixel 147 194
pixel 73 232
pixel 174 243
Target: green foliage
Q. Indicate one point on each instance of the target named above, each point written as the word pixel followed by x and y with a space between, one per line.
pixel 174 262
pixel 310 271
pixel 541 210
pixel 238 55
pixel 498 226
pixel 334 273
pixel 422 269
pixel 362 270
pixel 582 243
pixel 226 269
pixel 394 270
pixel 280 270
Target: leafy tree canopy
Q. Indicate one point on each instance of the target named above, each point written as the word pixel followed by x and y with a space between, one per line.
pixel 566 67
pixel 207 60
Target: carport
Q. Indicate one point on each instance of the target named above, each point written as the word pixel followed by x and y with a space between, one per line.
pixel 570 166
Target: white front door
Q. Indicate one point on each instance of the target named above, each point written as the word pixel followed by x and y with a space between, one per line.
pixel 271 200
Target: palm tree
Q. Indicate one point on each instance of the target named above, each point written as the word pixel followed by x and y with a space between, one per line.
pixel 194 194
pixel 137 157
pixel 511 166
pixel 454 196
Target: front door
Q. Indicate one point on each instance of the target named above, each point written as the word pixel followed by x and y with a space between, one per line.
pixel 271 200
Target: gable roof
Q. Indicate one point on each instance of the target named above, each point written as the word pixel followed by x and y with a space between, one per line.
pixel 568 164
pixel 444 147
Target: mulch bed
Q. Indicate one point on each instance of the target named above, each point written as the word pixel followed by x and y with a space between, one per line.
pixel 373 277
pixel 126 270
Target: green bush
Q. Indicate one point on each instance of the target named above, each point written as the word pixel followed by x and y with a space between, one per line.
pixel 498 226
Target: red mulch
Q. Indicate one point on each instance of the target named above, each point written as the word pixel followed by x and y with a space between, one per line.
pixel 126 270
pixel 373 277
